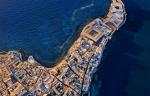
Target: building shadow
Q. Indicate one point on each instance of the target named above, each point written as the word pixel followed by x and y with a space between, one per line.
pixel 118 60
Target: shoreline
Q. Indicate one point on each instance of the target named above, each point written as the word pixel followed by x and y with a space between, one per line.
pixel 73 74
pixel 50 63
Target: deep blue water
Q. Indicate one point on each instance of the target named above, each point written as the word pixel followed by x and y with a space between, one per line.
pixel 40 27
pixel 125 69
pixel 45 29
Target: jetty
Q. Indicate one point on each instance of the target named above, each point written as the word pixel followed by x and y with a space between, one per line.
pixel 73 74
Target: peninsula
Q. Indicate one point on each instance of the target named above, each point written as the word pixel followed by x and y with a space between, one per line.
pixel 73 74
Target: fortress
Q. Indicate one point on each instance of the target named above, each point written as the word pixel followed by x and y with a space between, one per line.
pixel 70 77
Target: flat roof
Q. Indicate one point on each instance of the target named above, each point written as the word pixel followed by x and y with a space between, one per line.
pixel 92 33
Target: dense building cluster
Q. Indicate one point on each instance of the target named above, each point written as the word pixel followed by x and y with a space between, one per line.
pixel 71 76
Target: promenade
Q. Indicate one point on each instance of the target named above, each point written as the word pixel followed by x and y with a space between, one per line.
pixel 73 74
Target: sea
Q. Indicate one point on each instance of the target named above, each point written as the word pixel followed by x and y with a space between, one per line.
pixel 125 65
pixel 46 29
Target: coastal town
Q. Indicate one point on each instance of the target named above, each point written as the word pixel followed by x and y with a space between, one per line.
pixel 73 74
